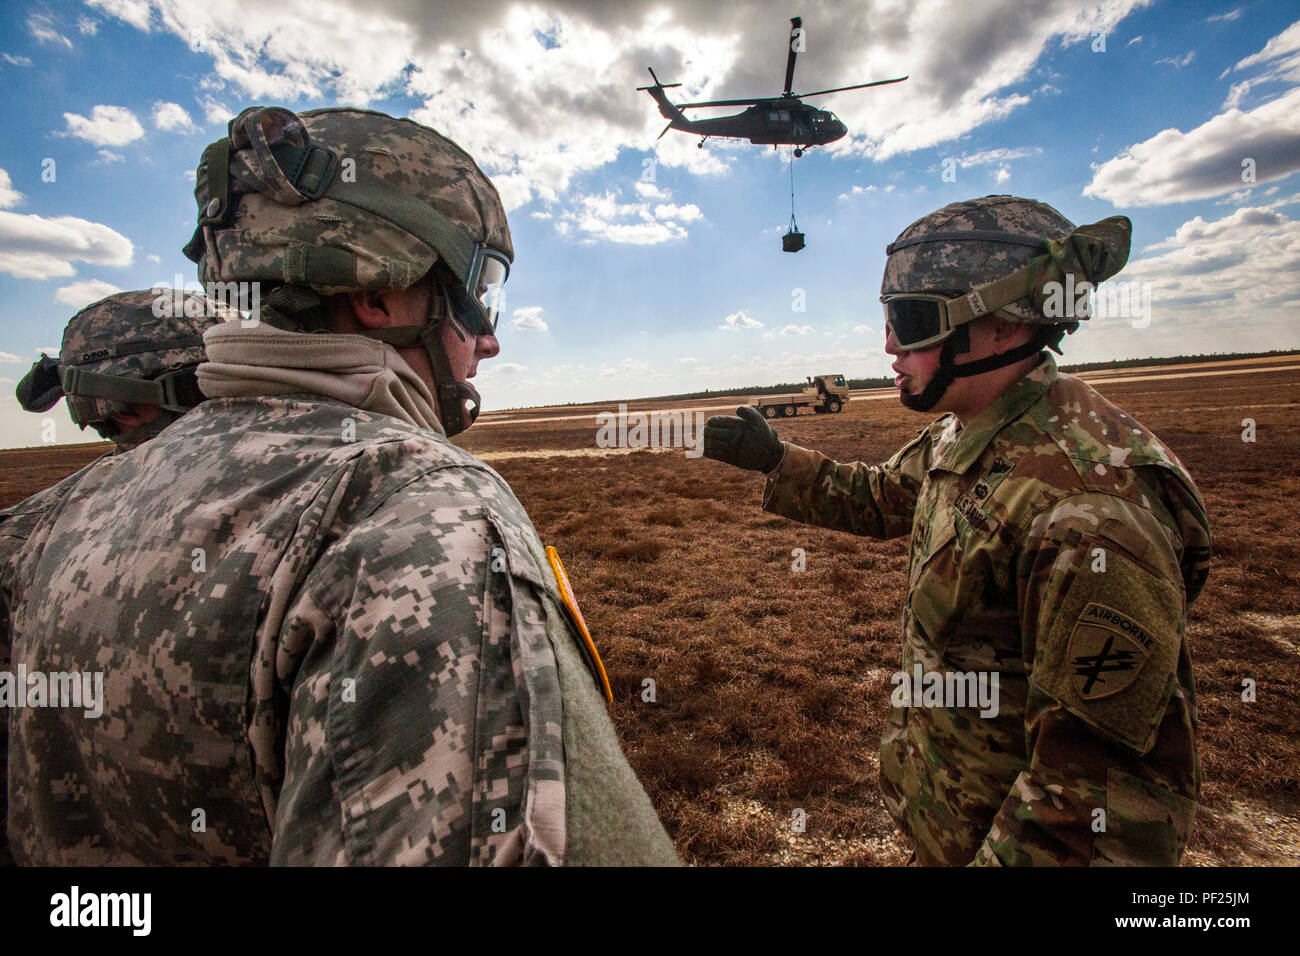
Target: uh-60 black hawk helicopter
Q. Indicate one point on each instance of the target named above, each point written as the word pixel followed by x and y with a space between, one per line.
pixel 778 120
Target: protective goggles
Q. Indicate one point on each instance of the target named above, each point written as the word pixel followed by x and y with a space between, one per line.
pixel 920 320
pixel 487 280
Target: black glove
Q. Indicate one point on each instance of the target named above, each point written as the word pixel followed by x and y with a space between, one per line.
pixel 746 442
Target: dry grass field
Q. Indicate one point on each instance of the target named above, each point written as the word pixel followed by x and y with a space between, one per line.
pixel 771 687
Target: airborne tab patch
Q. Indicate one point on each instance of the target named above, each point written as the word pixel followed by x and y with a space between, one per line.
pixel 1106 651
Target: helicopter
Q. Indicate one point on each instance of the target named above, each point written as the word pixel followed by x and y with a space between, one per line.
pixel 778 120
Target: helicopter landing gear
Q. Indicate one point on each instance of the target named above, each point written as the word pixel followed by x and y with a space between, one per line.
pixel 798 152
pixel 700 144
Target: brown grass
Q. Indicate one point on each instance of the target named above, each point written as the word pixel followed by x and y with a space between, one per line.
pixel 772 686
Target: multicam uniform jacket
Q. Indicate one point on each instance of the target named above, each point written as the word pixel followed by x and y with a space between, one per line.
pixel 1056 543
pixel 327 636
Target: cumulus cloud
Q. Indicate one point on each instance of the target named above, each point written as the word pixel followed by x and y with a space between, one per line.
pixel 528 319
pixel 797 330
pixel 8 195
pixel 1174 166
pixel 604 217
pixel 10 357
pixel 544 92
pixel 81 294
pixel 106 126
pixel 687 213
pixel 16 60
pixel 739 320
pixel 172 116
pixel 36 247
pixel 1240 273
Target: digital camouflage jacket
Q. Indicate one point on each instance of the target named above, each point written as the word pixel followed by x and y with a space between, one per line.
pixel 327 636
pixel 1056 545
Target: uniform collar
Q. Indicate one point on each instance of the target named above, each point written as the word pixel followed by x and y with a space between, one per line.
pixel 959 449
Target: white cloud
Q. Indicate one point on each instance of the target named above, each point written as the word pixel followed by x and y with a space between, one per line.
pixel 1233 279
pixel 8 195
pixel 1280 57
pixel 16 60
pixel 514 190
pixel 797 330
pixel 1136 39
pixel 36 247
pixel 650 190
pixel 107 156
pixel 604 217
pixel 87 26
pixel 41 26
pixel 688 213
pixel 172 116
pixel 1002 175
pixel 10 357
pixel 1224 17
pixel 1178 62
pixel 494 368
pixel 739 320
pixel 528 319
pixel 216 113
pixel 1000 156
pixel 1174 166
pixel 81 294
pixel 106 126
pixel 863 328
pixel 152 258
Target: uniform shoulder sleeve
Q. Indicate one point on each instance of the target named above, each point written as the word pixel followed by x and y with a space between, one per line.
pixel 873 500
pixel 414 734
pixel 1110 718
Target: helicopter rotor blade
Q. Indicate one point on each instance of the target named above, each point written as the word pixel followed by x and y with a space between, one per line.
pixel 859 86
pixel 685 106
pixel 796 37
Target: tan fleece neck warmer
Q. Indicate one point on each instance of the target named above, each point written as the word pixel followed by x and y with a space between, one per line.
pixel 364 373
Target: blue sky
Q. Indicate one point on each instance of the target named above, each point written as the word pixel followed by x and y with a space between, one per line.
pixel 649 266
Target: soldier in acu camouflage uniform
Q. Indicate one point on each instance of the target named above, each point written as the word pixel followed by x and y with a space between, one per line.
pixel 328 635
pixel 1055 543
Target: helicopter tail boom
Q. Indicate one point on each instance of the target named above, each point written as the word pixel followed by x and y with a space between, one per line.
pixel 666 109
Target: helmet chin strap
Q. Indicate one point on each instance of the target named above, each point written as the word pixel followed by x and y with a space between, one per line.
pixel 452 394
pixel 948 370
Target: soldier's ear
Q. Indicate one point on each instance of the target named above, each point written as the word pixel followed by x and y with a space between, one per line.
pixel 385 308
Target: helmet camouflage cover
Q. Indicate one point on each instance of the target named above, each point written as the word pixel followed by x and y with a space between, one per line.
pixel 1027 245
pixel 121 335
pixel 273 200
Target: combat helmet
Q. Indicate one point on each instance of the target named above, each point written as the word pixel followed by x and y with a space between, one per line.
pixel 344 200
pixel 997 254
pixel 130 348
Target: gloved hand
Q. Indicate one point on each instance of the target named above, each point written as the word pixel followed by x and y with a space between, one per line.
pixel 746 442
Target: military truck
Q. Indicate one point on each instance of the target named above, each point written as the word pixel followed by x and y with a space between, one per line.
pixel 824 393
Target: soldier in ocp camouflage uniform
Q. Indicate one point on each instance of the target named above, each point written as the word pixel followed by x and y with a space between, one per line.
pixel 1055 543
pixel 328 635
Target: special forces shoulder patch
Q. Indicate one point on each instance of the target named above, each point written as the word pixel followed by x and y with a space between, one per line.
pixel 1106 651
